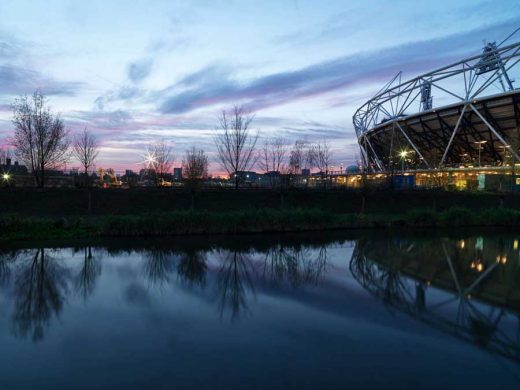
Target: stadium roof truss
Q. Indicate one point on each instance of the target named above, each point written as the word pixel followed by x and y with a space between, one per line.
pixel 477 117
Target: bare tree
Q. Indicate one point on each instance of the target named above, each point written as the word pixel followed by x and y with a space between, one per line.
pixel 161 160
pixel 300 157
pixel 321 156
pixel 194 170
pixel 272 155
pixel 235 143
pixel 85 149
pixel 40 139
pixel 194 165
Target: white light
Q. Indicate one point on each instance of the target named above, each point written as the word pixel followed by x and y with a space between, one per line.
pixel 149 159
pixel 6 176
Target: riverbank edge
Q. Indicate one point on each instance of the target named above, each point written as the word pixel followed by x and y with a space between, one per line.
pixel 178 223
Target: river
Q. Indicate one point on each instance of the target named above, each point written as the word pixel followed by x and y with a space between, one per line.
pixel 302 311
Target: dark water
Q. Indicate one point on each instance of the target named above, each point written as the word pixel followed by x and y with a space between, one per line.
pixel 302 312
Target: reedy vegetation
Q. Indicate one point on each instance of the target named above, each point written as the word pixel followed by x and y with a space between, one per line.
pixel 246 221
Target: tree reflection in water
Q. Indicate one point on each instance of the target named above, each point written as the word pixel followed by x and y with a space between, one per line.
pixel 192 268
pixel 402 272
pixel 6 260
pixel 158 266
pixel 40 289
pixel 296 265
pixel 41 284
pixel 234 282
pixel 85 281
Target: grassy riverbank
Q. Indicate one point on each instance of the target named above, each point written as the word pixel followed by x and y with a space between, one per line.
pixel 16 227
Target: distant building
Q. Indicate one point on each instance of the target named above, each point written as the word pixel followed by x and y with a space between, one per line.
pixel 177 174
pixel 352 169
pixel 270 179
pixel 147 177
pixel 13 169
pixel 247 178
pixel 306 172
pixel 147 174
pixel 54 172
pixel 130 178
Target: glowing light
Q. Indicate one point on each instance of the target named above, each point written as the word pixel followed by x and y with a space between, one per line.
pixel 477 265
pixel 501 259
pixel 6 176
pixel 149 159
pixel 515 245
pixel 403 154
pixel 462 244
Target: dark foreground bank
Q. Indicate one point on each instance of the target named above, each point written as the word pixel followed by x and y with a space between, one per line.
pixel 64 202
pixel 13 226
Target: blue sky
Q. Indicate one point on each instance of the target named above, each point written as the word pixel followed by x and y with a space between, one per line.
pixel 138 71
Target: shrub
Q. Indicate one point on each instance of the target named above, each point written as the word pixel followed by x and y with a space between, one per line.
pixel 458 216
pixel 422 217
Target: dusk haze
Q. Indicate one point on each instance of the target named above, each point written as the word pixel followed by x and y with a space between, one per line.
pixel 237 194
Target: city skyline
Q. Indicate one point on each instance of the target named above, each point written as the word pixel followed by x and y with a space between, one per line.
pixel 137 73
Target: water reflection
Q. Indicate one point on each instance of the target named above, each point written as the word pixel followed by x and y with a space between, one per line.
pixel 467 287
pixel 192 268
pixel 5 269
pixel 235 283
pixel 297 265
pixel 43 277
pixel 85 280
pixel 40 290
pixel 158 266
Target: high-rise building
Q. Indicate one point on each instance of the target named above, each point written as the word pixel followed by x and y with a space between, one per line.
pixel 177 174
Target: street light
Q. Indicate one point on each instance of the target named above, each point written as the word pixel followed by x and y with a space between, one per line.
pixel 479 143
pixel 403 155
pixel 505 148
pixel 6 176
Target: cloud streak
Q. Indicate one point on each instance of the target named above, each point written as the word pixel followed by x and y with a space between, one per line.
pixel 211 85
pixel 15 81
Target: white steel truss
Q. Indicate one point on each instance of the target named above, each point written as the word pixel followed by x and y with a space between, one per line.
pixel 460 85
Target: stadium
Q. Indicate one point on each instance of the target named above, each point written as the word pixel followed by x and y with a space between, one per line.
pixel 461 119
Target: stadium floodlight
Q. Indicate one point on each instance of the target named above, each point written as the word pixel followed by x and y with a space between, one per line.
pixel 479 143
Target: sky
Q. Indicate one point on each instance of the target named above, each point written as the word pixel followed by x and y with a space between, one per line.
pixel 138 72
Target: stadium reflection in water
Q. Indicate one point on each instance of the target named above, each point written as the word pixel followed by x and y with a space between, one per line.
pixel 312 311
pixel 469 288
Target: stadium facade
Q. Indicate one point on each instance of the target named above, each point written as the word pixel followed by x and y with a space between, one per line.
pixel 463 115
